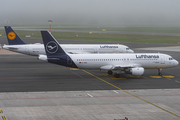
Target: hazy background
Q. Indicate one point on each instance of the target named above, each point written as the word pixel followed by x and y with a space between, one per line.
pixel 90 12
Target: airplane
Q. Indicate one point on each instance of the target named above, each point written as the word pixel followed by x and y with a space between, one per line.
pixel 17 45
pixel 133 63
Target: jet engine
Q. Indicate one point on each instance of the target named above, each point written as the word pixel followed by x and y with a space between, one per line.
pixel 138 71
pixel 42 57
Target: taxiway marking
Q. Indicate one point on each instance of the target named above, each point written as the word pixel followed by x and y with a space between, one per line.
pixel 3 117
pixel 177 81
pixel 131 94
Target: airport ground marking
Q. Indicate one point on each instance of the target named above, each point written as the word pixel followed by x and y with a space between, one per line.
pixel 115 91
pixel 177 81
pixel 74 69
pixel 111 76
pixel 145 77
pixel 131 94
pixel 89 95
pixel 3 117
pixel 1 111
pixel 123 77
pixel 155 76
pixel 169 77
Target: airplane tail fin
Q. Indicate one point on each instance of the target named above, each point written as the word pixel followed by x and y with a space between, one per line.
pixel 51 46
pixel 55 53
pixel 13 38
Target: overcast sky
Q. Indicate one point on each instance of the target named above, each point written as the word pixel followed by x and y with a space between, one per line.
pixel 117 12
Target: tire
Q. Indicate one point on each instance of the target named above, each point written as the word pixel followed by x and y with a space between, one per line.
pixel 116 75
pixel 160 74
pixel 110 72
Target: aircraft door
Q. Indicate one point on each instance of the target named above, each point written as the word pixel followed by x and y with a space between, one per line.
pixel 95 50
pixel 162 59
pixel 116 50
pixel 27 49
pixel 120 50
pixel 123 50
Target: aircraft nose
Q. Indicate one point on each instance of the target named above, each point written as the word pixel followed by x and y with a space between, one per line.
pixel 131 51
pixel 176 63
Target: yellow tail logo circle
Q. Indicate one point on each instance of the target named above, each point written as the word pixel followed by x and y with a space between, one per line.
pixel 11 35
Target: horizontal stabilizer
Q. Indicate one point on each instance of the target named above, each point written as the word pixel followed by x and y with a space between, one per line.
pixel 7 47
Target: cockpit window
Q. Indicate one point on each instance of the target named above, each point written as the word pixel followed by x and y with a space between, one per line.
pixel 127 48
pixel 170 58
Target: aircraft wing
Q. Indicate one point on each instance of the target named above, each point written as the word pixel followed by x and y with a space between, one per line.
pixel 113 67
pixel 78 52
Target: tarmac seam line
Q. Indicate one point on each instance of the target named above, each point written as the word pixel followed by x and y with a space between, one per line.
pixel 131 94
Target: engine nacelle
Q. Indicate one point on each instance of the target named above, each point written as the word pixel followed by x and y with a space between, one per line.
pixel 138 71
pixel 42 57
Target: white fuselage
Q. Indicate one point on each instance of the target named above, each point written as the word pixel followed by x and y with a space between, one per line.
pixel 38 49
pixel 115 61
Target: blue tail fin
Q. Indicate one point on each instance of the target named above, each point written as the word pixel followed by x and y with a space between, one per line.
pixel 13 38
pixel 51 46
pixel 55 54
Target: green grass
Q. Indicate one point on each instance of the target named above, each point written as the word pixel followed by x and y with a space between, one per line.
pixel 130 29
pixel 119 37
pixel 160 39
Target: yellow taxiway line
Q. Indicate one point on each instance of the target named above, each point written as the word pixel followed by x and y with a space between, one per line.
pixel 131 94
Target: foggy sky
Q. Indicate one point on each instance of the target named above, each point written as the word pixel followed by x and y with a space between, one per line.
pixel 92 12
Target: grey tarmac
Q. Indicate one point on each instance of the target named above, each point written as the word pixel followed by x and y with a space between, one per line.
pixel 33 89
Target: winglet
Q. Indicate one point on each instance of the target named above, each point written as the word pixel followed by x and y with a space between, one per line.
pixel 13 38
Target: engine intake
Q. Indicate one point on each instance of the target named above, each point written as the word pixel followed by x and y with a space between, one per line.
pixel 138 71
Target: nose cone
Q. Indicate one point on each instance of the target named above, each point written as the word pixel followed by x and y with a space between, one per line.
pixel 176 63
pixel 131 51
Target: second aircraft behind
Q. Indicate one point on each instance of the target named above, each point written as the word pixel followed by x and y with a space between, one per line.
pixel 17 45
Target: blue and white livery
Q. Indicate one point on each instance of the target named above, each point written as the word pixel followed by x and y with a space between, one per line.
pixel 17 45
pixel 133 63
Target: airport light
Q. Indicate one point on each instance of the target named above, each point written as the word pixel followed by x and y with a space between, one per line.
pixel 50 21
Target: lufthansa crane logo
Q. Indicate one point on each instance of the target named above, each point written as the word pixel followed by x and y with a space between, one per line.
pixel 11 35
pixel 51 47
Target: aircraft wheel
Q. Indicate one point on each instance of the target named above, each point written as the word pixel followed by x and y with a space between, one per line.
pixel 160 74
pixel 110 72
pixel 116 75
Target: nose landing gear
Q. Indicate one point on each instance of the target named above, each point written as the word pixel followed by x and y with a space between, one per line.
pixel 159 72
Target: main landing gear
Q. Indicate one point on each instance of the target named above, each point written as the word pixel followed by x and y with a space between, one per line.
pixel 159 72
pixel 116 75
pixel 110 72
